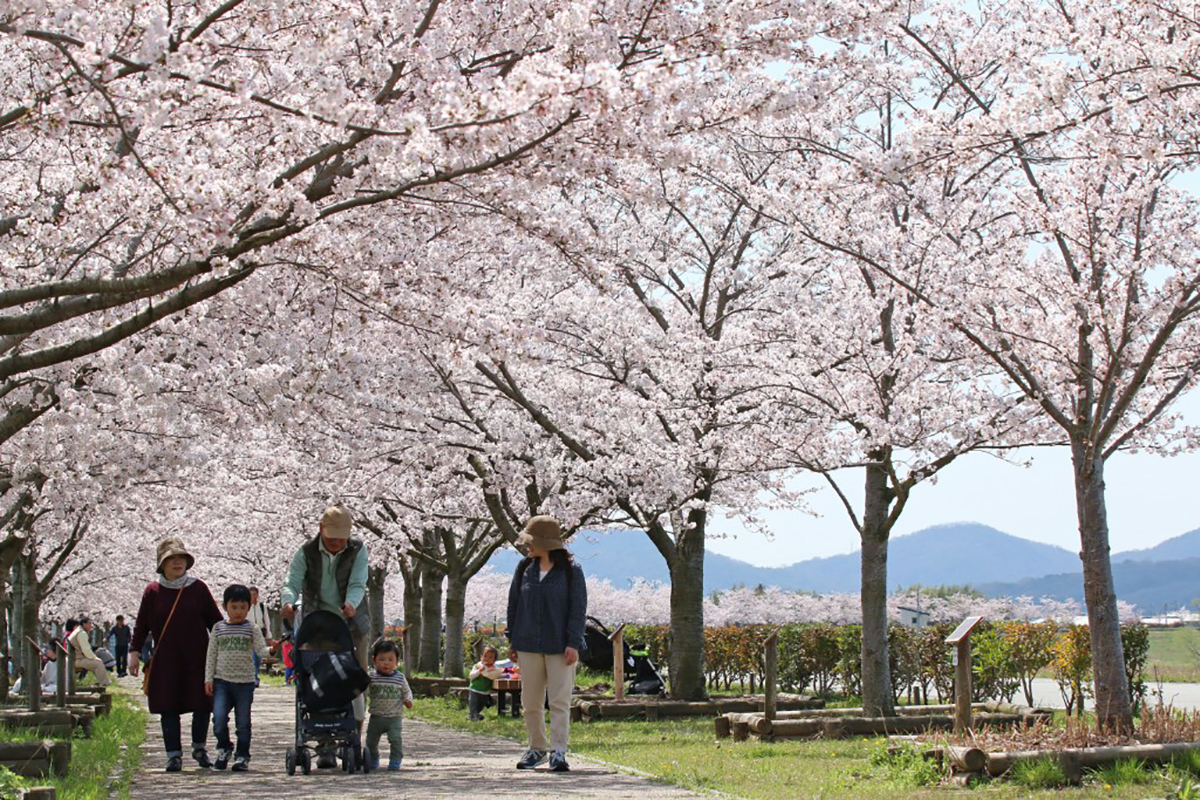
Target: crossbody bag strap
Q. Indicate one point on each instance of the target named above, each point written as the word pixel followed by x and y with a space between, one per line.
pixel 161 636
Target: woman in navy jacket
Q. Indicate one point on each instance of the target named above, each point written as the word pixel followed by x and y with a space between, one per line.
pixel 547 603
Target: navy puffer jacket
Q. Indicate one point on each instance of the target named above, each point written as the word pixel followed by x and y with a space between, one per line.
pixel 543 616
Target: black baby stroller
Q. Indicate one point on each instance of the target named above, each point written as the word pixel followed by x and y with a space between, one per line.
pixel 328 678
pixel 639 669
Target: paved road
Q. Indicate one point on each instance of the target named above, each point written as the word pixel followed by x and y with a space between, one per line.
pixel 439 762
pixel 1180 695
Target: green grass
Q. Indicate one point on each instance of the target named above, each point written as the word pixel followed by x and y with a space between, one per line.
pixel 94 759
pixel 1126 771
pixel 1173 655
pixel 1042 773
pixel 686 753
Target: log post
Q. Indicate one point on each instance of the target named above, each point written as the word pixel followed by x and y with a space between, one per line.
pixel 961 639
pixel 61 666
pixel 771 659
pixel 33 675
pixel 618 642
pixel 70 655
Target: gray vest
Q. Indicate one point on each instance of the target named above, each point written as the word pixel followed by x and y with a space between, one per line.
pixel 313 569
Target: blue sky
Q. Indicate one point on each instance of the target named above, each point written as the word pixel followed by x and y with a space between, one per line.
pixel 1150 498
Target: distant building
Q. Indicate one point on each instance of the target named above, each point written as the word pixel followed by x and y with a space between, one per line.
pixel 913 617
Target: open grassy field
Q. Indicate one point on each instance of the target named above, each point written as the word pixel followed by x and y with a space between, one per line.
pixel 1174 655
pixel 687 753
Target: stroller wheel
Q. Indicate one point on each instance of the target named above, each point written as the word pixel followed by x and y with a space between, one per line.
pixel 305 762
pixel 290 760
pixel 349 762
pixel 363 760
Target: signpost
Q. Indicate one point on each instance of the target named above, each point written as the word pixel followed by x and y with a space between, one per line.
pixel 961 639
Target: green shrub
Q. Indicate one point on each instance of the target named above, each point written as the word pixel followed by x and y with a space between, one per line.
pixel 1041 773
pixel 1135 641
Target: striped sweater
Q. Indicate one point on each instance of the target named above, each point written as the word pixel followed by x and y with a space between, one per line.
pixel 230 648
pixel 388 694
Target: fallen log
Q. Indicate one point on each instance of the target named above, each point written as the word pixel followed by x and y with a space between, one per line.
pixel 902 711
pixel 796 728
pixel 966 759
pixel 999 763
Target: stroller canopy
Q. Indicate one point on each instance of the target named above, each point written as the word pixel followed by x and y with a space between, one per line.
pixel 325 632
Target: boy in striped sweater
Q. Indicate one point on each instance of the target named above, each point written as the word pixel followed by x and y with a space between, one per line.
pixel 387 698
pixel 229 675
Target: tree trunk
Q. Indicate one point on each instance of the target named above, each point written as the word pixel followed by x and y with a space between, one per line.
pixel 1113 708
pixel 456 609
pixel 376 576
pixel 17 609
pixel 30 611
pixel 686 665
pixel 412 613
pixel 877 695
pixel 431 621
pixel 5 605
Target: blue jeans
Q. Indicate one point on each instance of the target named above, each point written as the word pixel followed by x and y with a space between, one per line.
pixel 237 697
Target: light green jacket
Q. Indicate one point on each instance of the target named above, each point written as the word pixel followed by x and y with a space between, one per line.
pixel 330 599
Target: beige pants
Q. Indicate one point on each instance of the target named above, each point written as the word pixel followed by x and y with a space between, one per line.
pixel 94 666
pixel 546 676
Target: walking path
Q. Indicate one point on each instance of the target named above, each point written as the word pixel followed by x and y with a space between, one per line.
pixel 1179 695
pixel 438 762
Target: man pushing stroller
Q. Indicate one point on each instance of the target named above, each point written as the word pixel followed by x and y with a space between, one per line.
pixel 329 573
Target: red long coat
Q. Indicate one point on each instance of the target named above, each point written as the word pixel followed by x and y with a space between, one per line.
pixel 177 679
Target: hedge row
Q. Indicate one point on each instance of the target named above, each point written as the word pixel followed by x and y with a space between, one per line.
pixel 823 658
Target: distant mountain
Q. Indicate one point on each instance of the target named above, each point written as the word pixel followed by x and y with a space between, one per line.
pixel 963 553
pixel 1184 546
pixel 1149 585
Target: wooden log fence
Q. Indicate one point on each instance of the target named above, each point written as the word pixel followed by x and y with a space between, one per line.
pixel 36 759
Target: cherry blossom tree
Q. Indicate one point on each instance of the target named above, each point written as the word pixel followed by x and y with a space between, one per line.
pixel 1044 143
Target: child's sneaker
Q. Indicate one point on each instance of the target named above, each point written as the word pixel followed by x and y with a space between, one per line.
pixel 531 759
pixel 558 762
pixel 394 765
pixel 373 760
pixel 241 763
pixel 222 759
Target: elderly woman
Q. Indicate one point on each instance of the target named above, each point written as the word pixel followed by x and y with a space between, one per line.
pixel 178 611
pixel 547 603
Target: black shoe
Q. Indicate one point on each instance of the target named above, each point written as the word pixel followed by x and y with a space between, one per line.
pixel 202 759
pixel 558 762
pixel 175 764
pixel 222 759
pixel 531 759
pixel 326 760
pixel 241 764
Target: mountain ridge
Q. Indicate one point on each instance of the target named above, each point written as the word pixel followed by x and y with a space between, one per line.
pixel 966 553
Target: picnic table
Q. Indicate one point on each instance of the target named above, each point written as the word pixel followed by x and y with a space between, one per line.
pixel 504 688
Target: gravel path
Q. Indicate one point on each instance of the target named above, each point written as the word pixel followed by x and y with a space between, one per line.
pixel 439 762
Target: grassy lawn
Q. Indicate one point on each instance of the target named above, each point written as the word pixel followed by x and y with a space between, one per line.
pixel 686 753
pixel 1175 654
pixel 94 760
